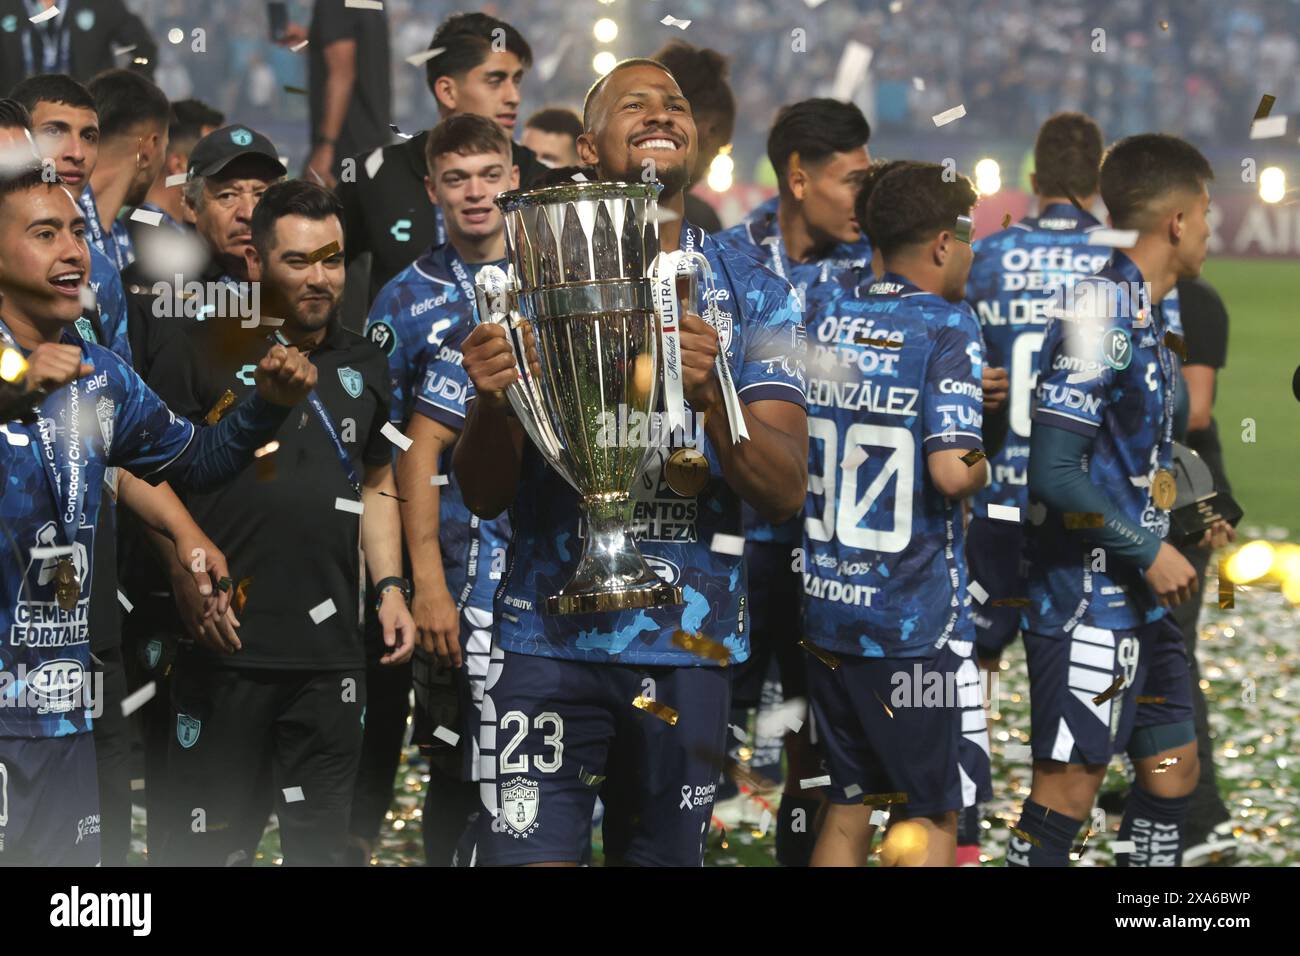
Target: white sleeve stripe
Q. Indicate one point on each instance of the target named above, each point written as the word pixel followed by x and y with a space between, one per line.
pixel 941 434
pixel 442 408
pixel 766 384
pixel 168 462
pixel 1073 418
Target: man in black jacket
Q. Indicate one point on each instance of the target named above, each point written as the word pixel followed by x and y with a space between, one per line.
pixel 85 37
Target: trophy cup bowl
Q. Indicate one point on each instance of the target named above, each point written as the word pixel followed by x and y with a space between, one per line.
pixel 580 315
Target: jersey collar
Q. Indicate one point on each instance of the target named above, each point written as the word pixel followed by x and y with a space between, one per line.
pixel 1066 210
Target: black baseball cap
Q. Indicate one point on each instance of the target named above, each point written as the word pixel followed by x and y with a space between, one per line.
pixel 221 147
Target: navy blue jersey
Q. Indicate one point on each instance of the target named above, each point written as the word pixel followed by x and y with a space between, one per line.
pixel 420 318
pixel 761 334
pixel 109 418
pixel 1104 372
pixel 1013 277
pixel 760 236
pixel 894 375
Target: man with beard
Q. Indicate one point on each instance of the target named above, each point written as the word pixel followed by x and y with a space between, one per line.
pixel 279 709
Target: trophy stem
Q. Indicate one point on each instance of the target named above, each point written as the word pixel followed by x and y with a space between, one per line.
pixel 611 574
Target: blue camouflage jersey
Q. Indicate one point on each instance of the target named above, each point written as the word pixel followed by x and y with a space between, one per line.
pixel 760 236
pixel 1105 373
pixel 419 319
pixel 109 418
pixel 110 301
pixel 108 240
pixel 761 333
pixel 1013 278
pixel 894 375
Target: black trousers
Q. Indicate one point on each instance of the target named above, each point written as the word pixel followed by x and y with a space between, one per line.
pixel 247 741
pixel 113 759
pixel 1207 807
pixel 388 702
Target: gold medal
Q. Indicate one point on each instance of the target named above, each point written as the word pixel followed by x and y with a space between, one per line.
pixel 67 586
pixel 1164 489
pixel 687 472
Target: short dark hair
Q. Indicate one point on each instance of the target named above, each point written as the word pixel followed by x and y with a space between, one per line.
pixel 124 99
pixel 1067 156
pixel 912 203
pixel 875 172
pixel 188 117
pixel 556 119
pixel 14 115
pixel 618 67
pixel 815 129
pixel 466 41
pixel 53 88
pixel 467 134
pixel 1139 170
pixel 290 197
pixel 28 176
pixel 702 75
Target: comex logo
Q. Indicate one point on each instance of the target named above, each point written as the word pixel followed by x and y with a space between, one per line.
pixel 76 909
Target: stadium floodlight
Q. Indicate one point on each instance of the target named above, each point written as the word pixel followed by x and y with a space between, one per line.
pixel 603 62
pixel 605 30
pixel 1250 562
pixel 988 176
pixel 720 171
pixel 1272 184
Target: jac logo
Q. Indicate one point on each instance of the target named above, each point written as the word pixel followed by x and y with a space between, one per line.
pixel 55 685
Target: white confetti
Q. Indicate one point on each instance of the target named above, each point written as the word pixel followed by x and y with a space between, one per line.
pixel 1270 127
pixel 87 296
pixel 347 504
pixel 419 59
pixel 1123 846
pixel 55 551
pixel 178 179
pixel 447 736
pixel 124 602
pixel 671 21
pixel 947 116
pixel 399 133
pixel 363 4
pixel 146 216
pixel 1115 238
pixel 578 178
pixel 852 69
pixel 764 822
pixel 133 702
pixel 728 544
pixel 294 794
pixel 812 783
pixel 918 84
pixel 896 6
pixel 323 611
pixel 977 592
pixel 1004 513
pixel 48 14
pixel 437 480
pixel 123 50
pixel 878 818
pixel 852 790
pixel 390 432
pixel 854 459
pixel 374 161
pixel 1017 751
pixel 137 784
pixel 740 734
pixel 299 47
pixel 813 4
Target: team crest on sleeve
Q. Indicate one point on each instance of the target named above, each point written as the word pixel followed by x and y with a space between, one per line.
pixel 105 410
pixel 382 335
pixel 352 381
pixel 520 798
pixel 187 730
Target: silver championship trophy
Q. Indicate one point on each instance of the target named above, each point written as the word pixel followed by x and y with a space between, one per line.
pixel 578 301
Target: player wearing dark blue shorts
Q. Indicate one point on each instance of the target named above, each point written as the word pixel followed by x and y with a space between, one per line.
pixel 1107 668
pixel 896 403
pixel 559 723
pixel 808 234
pixel 84 410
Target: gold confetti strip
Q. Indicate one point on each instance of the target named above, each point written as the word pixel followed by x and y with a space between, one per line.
pixel 662 711
pixel 1265 106
pixel 1227 589
pixel 830 660
pixel 223 404
pixel 1145 699
pixel 1176 345
pixel 1026 837
pixel 884 705
pixel 702 646
pixel 1075 520
pixel 1006 220
pixel 1164 25
pixel 324 252
pixel 295 89
pixel 1011 602
pixel 973 457
pixel 881 343
pixel 387 495
pixel 883 799
pixel 590 779
pixel 1078 850
pixel 241 595
pixel 1164 765
pixel 1110 691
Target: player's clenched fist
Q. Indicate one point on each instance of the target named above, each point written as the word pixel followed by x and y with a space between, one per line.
pixel 700 348
pixel 994 383
pixel 1171 576
pixel 489 361
pixel 284 376
pixel 51 366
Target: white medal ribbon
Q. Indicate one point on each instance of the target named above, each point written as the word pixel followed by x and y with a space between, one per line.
pixel 663 289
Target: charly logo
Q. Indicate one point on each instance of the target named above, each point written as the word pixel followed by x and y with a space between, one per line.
pixel 520 798
pixel 55 686
pixel 241 136
pixel 187 730
pixel 352 381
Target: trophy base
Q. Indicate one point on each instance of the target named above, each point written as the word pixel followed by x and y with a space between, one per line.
pixel 623 599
